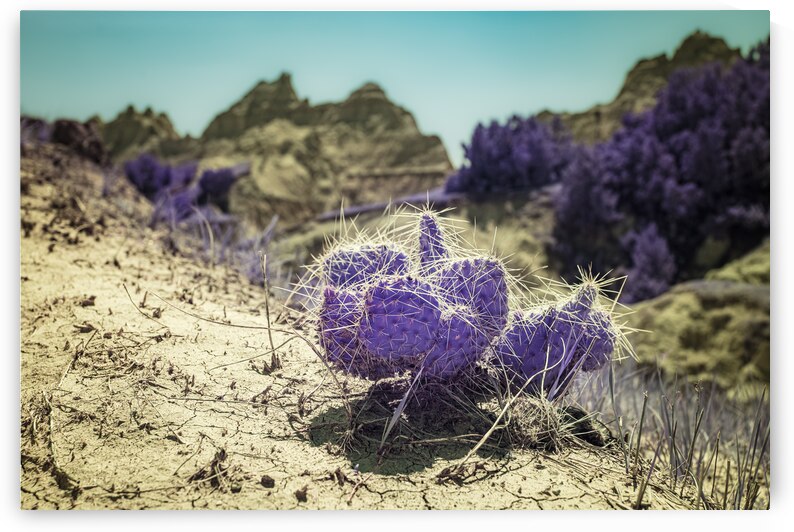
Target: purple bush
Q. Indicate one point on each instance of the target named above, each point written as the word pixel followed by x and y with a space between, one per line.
pixel 692 168
pixel 173 188
pixel 175 206
pixel 522 154
pixel 652 265
pixel 216 184
pixel 152 178
pixel 34 130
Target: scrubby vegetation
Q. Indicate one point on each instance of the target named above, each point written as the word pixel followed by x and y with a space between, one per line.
pixel 679 189
pixel 519 155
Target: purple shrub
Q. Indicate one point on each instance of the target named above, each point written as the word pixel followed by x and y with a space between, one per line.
pixel 653 266
pixel 177 206
pixel 522 154
pixel 34 130
pixel 148 175
pixel 182 175
pixel 694 167
pixel 215 186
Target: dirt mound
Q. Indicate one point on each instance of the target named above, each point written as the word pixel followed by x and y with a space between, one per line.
pixel 709 330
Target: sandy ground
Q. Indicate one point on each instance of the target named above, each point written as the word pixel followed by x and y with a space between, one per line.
pixel 130 400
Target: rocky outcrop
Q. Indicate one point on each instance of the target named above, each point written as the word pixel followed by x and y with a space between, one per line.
pixel 752 268
pixel 307 159
pixel 82 137
pixel 641 85
pixel 261 105
pixel 132 132
pixel 716 329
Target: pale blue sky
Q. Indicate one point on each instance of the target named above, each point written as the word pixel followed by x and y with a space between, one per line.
pixel 450 69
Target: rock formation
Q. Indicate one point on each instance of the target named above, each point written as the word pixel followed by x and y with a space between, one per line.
pixel 305 158
pixel 132 132
pixel 642 83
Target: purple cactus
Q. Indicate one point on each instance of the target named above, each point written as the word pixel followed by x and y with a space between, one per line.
pixel 339 316
pixel 524 350
pixel 480 284
pixel 349 267
pixel 381 315
pixel 401 317
pixel 458 345
pixel 431 243
pixel 598 341
pixel 551 346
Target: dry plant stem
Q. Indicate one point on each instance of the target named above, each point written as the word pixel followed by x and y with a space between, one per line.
pixel 639 437
pixel 263 262
pixel 618 419
pixel 504 411
pixel 210 235
pixel 399 410
pixel 691 451
pixel 716 459
pixel 139 308
pixel 647 479
pixel 77 354
pixel 216 322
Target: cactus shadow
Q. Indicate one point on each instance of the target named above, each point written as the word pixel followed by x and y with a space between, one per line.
pixel 432 427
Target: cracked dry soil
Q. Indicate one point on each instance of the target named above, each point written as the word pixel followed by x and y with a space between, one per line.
pixel 129 400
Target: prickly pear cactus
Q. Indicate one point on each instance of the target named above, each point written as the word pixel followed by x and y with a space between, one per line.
pixel 412 305
pixel 545 349
pixel 419 304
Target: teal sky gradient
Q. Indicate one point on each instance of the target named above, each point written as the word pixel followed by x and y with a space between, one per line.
pixel 450 69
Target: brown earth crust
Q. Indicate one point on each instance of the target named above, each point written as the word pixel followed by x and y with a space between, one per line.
pixel 130 400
